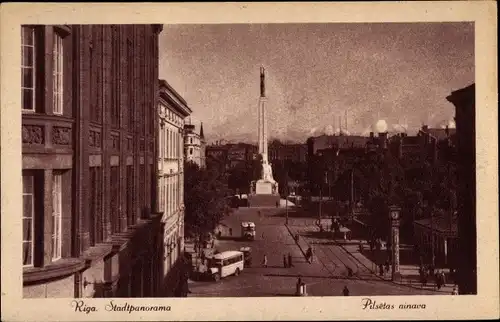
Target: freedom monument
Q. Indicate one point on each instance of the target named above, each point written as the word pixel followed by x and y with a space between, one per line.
pixel 263 192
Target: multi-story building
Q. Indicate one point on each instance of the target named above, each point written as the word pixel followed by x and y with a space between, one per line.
pixel 88 150
pixel 172 111
pixel 295 152
pixel 465 109
pixel 330 156
pixel 194 145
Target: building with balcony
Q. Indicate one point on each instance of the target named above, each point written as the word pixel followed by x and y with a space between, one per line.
pixel 89 124
pixel 172 112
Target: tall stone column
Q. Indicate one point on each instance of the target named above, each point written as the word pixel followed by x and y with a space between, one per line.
pixel 264 127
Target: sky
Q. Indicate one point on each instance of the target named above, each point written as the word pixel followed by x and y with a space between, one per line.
pixel 377 77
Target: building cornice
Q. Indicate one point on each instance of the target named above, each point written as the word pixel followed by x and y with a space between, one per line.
pixel 170 95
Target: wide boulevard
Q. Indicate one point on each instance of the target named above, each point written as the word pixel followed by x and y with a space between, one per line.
pixel 326 276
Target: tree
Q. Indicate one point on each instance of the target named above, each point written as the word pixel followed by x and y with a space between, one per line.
pixel 239 178
pixel 205 197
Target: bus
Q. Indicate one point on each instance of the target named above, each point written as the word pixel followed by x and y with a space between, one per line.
pixel 225 264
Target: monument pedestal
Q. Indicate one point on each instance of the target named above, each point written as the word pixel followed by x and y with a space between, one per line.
pixel 263 194
pixel 263 188
pixel 270 200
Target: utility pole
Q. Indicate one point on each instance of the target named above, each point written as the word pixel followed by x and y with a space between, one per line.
pixel 286 197
pixel 320 201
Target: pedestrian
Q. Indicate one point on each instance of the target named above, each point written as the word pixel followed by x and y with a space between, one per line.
pixel 438 281
pixel 387 266
pixel 264 261
pixel 262 235
pixel 297 285
pixel 230 231
pixel 285 264
pixel 345 291
pixel 443 278
pixel 455 290
pixel 380 269
pixel 290 264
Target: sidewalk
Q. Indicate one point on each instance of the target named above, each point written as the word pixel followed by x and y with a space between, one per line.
pixel 409 273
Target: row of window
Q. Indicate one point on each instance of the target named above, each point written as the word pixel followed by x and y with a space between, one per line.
pixel 34 208
pixel 169 143
pixel 232 260
pixel 174 118
pixel 32 60
pixel 29 64
pixel 171 194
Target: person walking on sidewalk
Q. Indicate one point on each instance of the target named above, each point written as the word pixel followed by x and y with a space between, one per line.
pixel 345 291
pixel 285 264
pixel 230 231
pixel 290 264
pixel 264 261
pixel 443 278
pixel 455 290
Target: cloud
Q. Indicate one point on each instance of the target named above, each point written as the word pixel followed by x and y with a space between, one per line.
pixel 381 126
pixel 400 127
pixel 329 130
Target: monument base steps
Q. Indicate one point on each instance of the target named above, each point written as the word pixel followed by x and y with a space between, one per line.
pixel 268 200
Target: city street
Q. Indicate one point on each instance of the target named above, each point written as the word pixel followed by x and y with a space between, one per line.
pixel 326 276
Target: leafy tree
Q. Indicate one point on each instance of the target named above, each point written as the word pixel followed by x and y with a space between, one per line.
pixel 205 197
pixel 239 178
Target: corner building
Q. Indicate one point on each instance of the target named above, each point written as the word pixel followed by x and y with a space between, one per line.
pixel 89 123
pixel 172 111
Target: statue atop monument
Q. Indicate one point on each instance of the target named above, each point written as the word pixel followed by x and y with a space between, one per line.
pixel 262 82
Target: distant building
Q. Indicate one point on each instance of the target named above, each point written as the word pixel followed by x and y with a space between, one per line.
pixel 323 142
pixel 230 155
pixel 465 109
pixel 444 228
pixel 194 145
pixel 438 144
pixel 172 111
pixel 240 154
pixel 89 120
pixel 333 155
pixel 294 152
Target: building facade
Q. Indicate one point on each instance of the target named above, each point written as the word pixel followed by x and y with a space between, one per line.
pixel 89 175
pixel 172 111
pixel 194 145
pixel 295 152
pixel 465 119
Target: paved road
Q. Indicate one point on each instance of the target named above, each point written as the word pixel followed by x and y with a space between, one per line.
pixel 324 277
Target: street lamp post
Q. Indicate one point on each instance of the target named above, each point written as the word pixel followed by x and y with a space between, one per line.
pixel 394 212
pixel 286 198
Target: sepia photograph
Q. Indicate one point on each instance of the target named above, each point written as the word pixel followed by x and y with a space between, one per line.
pixel 247 160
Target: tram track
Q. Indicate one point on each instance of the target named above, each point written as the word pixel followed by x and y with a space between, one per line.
pixel 326 251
